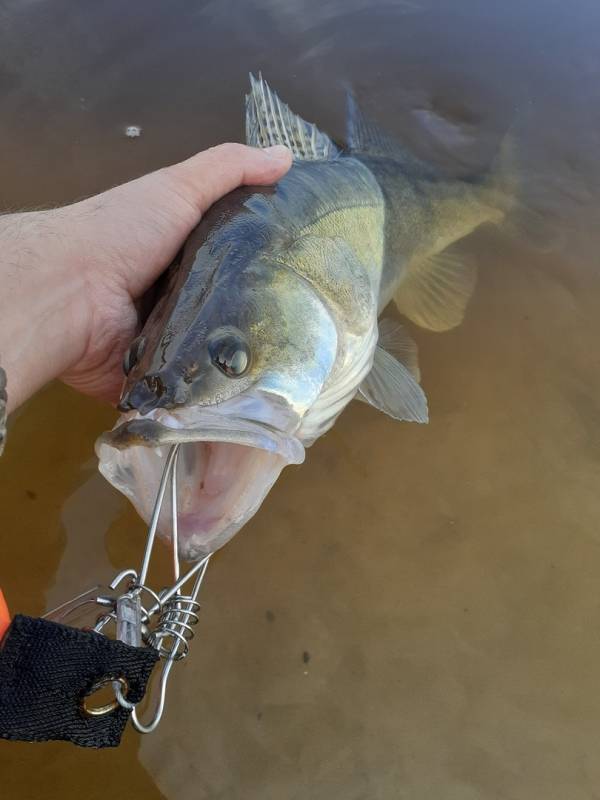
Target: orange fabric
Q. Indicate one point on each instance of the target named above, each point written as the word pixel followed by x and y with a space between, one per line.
pixel 4 615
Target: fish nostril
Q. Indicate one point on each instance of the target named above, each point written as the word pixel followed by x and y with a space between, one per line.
pixel 141 397
pixel 124 404
pixel 155 384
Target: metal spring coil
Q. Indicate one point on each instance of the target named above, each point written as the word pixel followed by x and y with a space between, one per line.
pixel 174 629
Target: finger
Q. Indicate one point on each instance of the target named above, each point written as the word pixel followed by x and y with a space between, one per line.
pixel 134 230
pixel 207 176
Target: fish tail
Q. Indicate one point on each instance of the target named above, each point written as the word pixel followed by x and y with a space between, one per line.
pixel 512 186
pixel 503 179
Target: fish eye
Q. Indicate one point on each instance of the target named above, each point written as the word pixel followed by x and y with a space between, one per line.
pixel 230 353
pixel 133 354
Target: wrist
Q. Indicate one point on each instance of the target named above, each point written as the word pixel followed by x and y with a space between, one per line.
pixel 42 316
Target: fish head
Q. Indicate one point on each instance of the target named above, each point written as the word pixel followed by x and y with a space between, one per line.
pixel 260 328
pixel 227 365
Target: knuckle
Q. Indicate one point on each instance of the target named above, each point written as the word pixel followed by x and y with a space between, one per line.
pixel 233 151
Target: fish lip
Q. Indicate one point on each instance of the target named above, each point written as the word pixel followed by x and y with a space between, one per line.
pixel 133 430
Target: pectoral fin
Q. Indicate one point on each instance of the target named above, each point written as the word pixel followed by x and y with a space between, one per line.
pixel 436 291
pixel 390 386
pixel 394 338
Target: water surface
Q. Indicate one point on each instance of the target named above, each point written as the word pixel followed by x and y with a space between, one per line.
pixel 413 613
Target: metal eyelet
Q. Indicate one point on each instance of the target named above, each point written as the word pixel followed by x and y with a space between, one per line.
pixel 100 711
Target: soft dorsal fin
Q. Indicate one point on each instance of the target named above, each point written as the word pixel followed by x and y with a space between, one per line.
pixel 269 121
pixel 392 386
pixel 365 136
pixel 362 134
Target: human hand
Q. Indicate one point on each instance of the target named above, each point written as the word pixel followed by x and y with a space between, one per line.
pixel 71 276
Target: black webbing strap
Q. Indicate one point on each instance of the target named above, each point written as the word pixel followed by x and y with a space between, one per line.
pixel 46 669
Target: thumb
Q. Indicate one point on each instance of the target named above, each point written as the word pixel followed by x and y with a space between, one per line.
pixel 140 225
pixel 207 176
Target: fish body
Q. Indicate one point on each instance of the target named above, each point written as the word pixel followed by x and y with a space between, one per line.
pixel 269 326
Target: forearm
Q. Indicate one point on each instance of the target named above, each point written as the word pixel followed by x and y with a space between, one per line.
pixel 42 302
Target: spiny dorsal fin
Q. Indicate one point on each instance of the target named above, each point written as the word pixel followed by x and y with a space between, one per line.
pixel 436 291
pixel 270 122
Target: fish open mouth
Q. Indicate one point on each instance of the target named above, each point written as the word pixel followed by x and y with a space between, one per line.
pixel 225 468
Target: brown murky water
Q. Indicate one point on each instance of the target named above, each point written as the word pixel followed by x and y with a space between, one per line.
pixel 414 612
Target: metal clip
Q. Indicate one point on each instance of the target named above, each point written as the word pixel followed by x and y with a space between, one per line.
pixel 167 620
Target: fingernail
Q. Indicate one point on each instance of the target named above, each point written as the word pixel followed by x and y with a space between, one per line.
pixel 278 151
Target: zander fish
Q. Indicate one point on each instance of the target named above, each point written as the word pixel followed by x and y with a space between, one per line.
pixel 268 326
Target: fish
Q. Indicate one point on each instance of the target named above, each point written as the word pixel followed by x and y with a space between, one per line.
pixel 269 324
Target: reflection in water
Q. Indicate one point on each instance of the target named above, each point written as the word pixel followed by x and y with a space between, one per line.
pixel 413 611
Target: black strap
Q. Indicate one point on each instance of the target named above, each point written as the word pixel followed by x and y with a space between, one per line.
pixel 46 669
